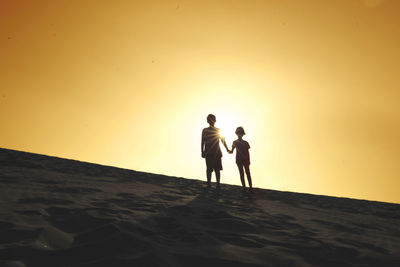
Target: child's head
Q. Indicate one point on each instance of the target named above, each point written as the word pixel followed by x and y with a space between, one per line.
pixel 240 131
pixel 211 119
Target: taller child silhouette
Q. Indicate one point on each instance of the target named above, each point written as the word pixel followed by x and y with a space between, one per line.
pixel 210 149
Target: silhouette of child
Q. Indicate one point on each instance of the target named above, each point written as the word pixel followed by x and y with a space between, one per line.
pixel 210 149
pixel 242 156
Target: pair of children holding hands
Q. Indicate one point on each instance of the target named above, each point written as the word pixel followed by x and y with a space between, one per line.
pixel 211 152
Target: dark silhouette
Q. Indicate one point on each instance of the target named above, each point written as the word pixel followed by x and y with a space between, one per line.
pixel 210 149
pixel 242 156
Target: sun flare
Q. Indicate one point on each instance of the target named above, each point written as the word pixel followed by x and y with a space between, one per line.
pixel 227 122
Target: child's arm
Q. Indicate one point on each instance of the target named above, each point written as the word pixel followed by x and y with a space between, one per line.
pixel 233 148
pixel 224 143
pixel 202 144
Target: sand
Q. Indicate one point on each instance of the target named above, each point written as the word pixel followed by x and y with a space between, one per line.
pixel 58 212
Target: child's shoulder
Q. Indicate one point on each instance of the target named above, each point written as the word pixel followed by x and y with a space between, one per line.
pixel 210 129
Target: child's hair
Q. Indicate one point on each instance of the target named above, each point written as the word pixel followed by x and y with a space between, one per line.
pixel 240 131
pixel 211 118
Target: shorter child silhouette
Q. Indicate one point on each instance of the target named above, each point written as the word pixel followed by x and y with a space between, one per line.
pixel 242 156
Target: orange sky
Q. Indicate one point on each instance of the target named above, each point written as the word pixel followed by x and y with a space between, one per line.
pixel 315 84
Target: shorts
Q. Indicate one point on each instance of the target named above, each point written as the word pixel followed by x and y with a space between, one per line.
pixel 244 162
pixel 214 163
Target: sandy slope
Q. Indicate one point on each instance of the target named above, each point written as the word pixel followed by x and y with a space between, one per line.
pixel 57 212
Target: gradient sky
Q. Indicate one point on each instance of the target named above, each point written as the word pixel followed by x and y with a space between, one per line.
pixel 315 84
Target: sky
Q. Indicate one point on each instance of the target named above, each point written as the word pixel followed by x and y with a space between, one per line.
pixel 315 84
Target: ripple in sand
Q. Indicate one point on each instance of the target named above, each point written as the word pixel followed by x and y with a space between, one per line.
pixel 53 238
pixel 12 264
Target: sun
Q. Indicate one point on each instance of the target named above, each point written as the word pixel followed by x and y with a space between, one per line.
pixel 227 123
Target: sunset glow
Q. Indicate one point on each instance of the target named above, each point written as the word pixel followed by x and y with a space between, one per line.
pixel 315 84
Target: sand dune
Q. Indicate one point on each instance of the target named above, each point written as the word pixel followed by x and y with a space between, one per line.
pixel 58 212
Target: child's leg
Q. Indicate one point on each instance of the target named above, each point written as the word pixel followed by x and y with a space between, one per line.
pixel 241 172
pixel 209 177
pixel 247 169
pixel 218 176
